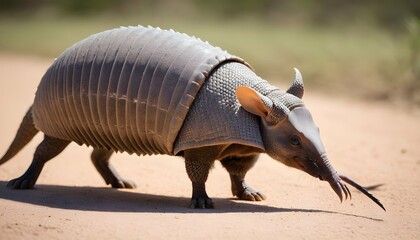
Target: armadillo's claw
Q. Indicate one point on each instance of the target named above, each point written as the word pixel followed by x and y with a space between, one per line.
pixel 245 192
pixel 251 195
pixel 20 183
pixel 123 183
pixel 202 203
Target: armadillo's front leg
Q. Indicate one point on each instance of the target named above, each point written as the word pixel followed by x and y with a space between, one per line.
pixel 198 171
pixel 237 168
pixel 100 158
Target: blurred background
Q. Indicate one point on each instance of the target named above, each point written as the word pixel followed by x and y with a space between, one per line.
pixel 359 48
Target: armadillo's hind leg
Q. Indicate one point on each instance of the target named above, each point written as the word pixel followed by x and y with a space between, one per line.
pixel 100 158
pixel 48 149
pixel 237 168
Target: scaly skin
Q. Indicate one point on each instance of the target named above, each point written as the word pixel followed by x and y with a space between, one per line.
pixel 198 171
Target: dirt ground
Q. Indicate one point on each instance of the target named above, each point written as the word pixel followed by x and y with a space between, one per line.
pixel 373 143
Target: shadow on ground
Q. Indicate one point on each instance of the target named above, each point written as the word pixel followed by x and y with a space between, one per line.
pixel 86 198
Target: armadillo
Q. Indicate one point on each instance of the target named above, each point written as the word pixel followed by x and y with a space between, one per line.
pixel 148 91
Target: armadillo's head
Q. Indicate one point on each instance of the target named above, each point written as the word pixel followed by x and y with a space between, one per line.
pixel 289 132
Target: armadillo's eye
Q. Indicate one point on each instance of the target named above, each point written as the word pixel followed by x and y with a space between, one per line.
pixel 294 140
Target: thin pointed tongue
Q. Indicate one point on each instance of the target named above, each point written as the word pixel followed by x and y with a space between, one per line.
pixel 362 189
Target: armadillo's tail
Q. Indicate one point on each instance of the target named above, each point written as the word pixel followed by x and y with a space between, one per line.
pixel 23 136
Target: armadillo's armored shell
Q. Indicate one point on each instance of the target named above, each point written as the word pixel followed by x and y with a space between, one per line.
pixel 126 89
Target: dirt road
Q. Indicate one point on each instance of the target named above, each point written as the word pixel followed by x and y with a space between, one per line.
pixel 372 143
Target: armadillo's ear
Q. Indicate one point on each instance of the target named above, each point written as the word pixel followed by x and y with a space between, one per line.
pixel 254 102
pixel 297 88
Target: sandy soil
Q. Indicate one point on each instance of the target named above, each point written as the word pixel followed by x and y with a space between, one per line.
pixel 370 142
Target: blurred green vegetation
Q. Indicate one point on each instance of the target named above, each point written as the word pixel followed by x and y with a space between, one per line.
pixel 360 48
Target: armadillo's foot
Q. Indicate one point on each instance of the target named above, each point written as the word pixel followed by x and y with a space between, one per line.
pixel 100 158
pixel 243 191
pixel 21 183
pixel 200 199
pixel 250 194
pixel 49 148
pixel 237 168
pixel 202 203
pixel 27 180
pixel 122 183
